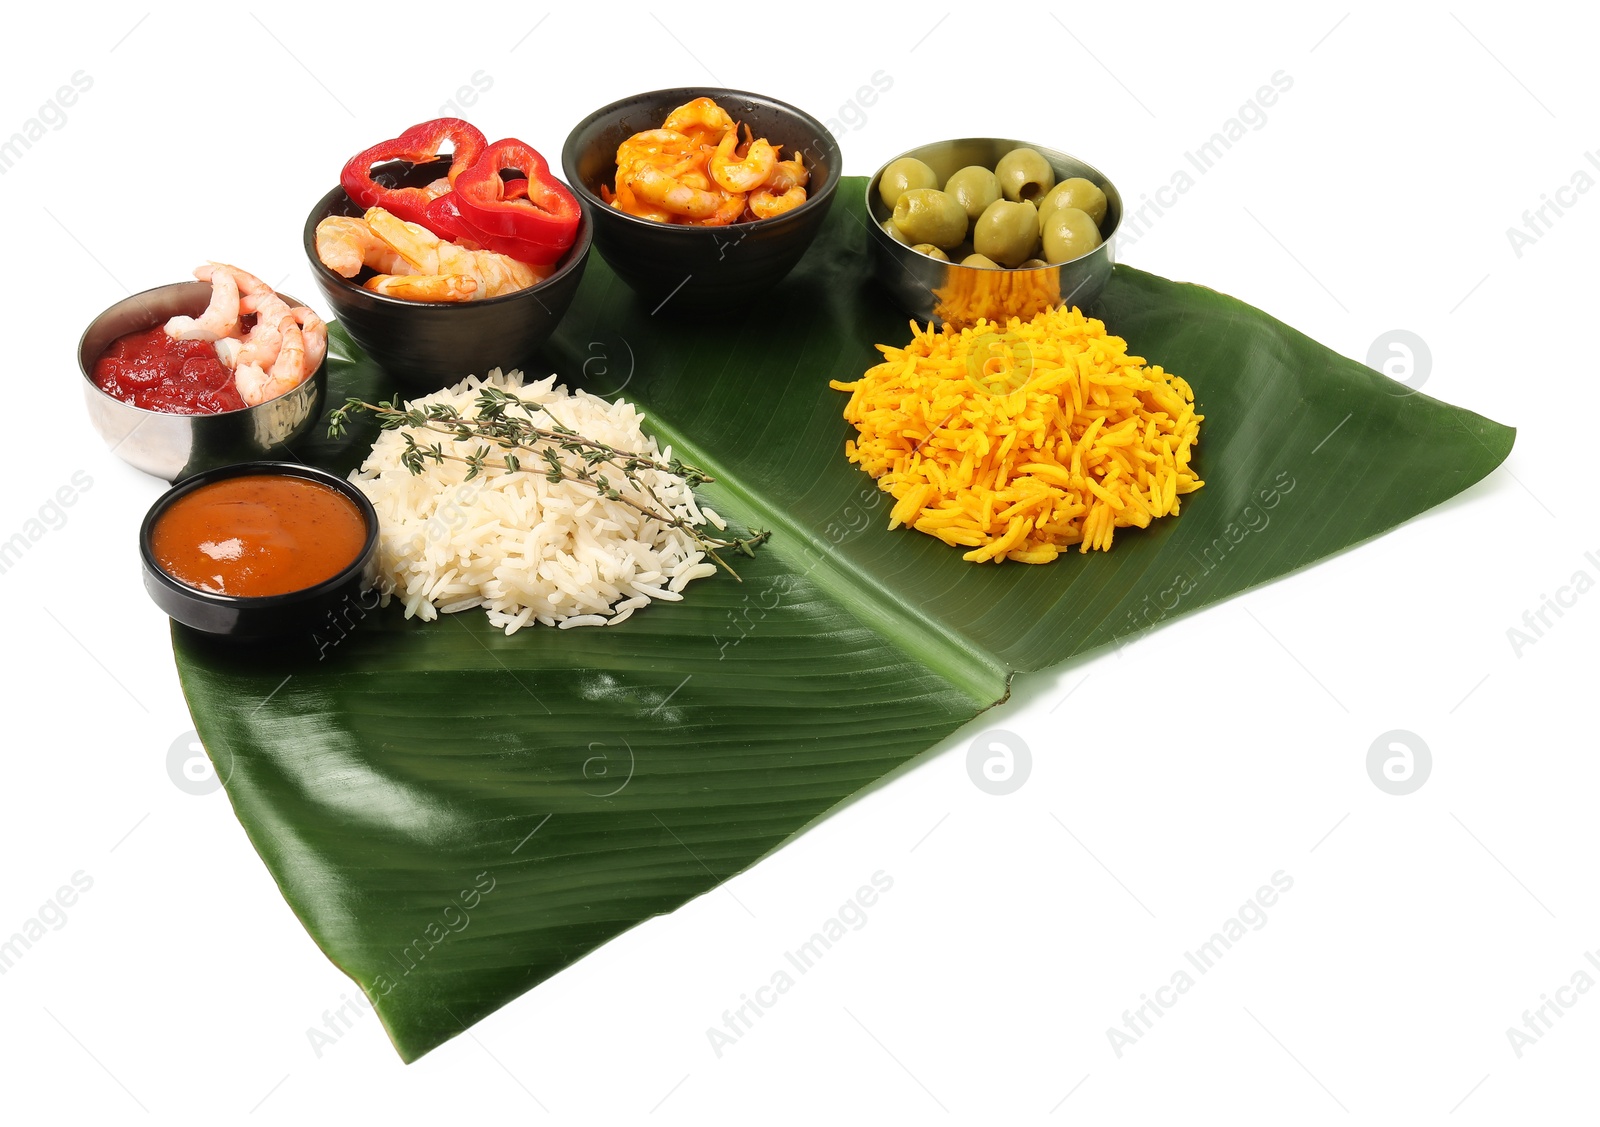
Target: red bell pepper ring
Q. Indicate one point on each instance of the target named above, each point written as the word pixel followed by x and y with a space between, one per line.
pixel 417 145
pixel 533 219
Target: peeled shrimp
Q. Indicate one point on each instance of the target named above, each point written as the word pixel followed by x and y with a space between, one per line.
pixel 427 254
pixel 651 146
pixel 315 331
pixel 702 116
pixel 765 203
pixel 304 343
pixel 654 186
pixel 281 349
pixel 787 174
pixel 262 343
pixel 729 211
pixel 221 317
pixel 742 174
pixel 249 285
pixel 256 385
pixel 346 244
pixel 425 287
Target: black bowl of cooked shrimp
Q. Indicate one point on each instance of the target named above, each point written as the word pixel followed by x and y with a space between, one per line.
pixel 675 242
pixel 412 325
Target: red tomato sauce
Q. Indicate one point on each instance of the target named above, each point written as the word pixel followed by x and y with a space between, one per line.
pixel 258 534
pixel 149 369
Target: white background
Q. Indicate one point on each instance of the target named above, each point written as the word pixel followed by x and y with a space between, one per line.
pixel 1174 781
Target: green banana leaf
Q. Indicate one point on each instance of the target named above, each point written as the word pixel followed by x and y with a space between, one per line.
pixel 455 815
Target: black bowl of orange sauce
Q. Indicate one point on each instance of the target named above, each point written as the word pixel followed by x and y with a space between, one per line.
pixel 261 549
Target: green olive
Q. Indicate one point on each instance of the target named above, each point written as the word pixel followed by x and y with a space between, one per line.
pixel 1024 175
pixel 927 215
pixel 902 176
pixel 1007 232
pixel 980 260
pixel 1068 234
pixel 974 188
pixel 931 251
pixel 1075 192
pixel 894 232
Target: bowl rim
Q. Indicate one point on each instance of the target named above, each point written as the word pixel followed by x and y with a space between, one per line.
pixel 322 209
pixel 1046 151
pixel 354 568
pixel 692 231
pixel 84 368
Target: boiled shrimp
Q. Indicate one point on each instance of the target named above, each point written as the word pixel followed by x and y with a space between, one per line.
pixel 787 174
pixel 345 244
pixel 701 116
pixel 625 201
pixel 424 287
pixel 650 146
pixel 249 285
pixel 265 339
pixel 742 174
pixel 315 331
pixel 729 211
pixel 427 254
pixel 304 344
pixel 765 203
pixel 220 319
pixel 257 385
pixel 655 186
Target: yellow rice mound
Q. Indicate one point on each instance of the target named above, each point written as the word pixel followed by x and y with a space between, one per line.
pixel 1018 441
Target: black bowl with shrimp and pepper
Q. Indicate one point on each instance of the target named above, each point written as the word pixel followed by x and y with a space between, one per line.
pixel 702 199
pixel 441 266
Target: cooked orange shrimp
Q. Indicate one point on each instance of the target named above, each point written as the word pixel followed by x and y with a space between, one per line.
pixel 702 116
pixel 426 253
pixel 654 186
pixel 625 201
pixel 425 287
pixel 221 317
pixel 730 210
pixel 650 145
pixel 787 174
pixel 345 244
pixel 765 203
pixel 742 174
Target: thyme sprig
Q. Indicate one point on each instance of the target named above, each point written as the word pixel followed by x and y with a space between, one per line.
pixel 496 430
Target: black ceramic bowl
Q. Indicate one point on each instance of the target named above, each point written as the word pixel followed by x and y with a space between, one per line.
pixel 428 344
pixel 700 269
pixel 326 609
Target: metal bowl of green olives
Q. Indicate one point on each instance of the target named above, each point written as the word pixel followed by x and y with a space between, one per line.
pixel 985 227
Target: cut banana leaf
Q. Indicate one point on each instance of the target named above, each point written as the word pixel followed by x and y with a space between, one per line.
pixel 455 815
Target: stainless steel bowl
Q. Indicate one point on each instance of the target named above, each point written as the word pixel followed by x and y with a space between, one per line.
pixel 172 446
pixel 931 290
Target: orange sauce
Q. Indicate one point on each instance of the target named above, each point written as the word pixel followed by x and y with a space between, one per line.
pixel 259 534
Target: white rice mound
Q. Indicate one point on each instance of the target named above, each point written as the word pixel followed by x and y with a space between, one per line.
pixel 521 547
